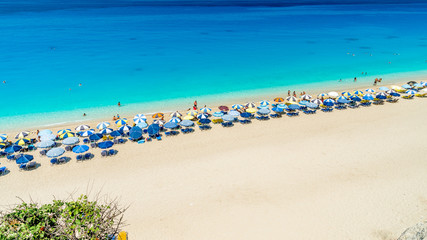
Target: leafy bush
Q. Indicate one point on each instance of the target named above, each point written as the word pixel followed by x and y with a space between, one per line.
pixel 76 219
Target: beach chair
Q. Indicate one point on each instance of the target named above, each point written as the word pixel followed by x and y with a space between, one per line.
pixel 86 141
pixel 79 157
pixel 104 153
pixel 68 148
pixel 422 95
pixel 28 166
pixel 2 170
pixel 275 115
pixel 159 138
pixel 10 157
pixel 63 160
pixel 43 152
pixel 88 156
pixel 54 161
pixel 112 152
pixel 31 147
pixel 408 96
pixel 93 145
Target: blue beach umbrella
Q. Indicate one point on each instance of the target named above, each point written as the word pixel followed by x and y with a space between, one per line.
pixel 329 102
pixel 186 123
pixel 70 141
pixel 418 85
pixel 228 118
pixel 47 137
pixel 293 107
pixel 355 98
pixel 407 86
pixel 277 109
pixel 205 110
pixel 342 100
pixel 237 106
pixel 55 152
pixel 24 158
pixel 3 137
pixel 135 132
pixel 106 131
pixel 13 149
pixel 346 94
pixel 234 113
pixel 357 92
pixel 105 144
pixel 142 124
pixel 312 105
pixel 102 125
pixel 384 89
pixel 202 116
pixel 67 135
pixel 411 92
pixel 264 103
pixel 303 102
pixel 87 133
pixel 60 132
pixel 22 141
pixel 381 95
pixel 153 129
pixel 45 144
pixel 121 122
pixel 205 121
pixel 126 128
pixel 323 95
pixel 95 137
pixel 139 118
pixel 368 97
pixel 370 90
pixel 80 148
pixel 247 115
pixel 171 125
pixel 175 120
pixel 282 105
pixel 218 114
pixel 115 133
pixel 45 132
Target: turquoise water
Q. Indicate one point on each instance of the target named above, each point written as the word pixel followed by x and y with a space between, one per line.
pixel 156 57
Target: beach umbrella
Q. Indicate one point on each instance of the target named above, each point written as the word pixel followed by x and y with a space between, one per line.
pixel 60 132
pixel 82 128
pixel 22 134
pixel 251 110
pixel 24 158
pixel 250 105
pixel 397 88
pixel 3 137
pixel 105 144
pixel 384 89
pixel 125 128
pixel 158 115
pixel 106 131
pixel 293 107
pixel 263 111
pixel 153 129
pixel 237 106
pixel 2 145
pixel 192 113
pixel 406 86
pixel 120 122
pixel 329 102
pixel 135 132
pixel 186 123
pixel 282 105
pixel 418 85
pixel 333 95
pixel 202 116
pixel 312 105
pixel 67 135
pixel 205 121
pixel 102 125
pixel 45 144
pixel 175 120
pixel 355 98
pixel 322 95
pixel 115 133
pixel 342 100
pixel 139 118
pixel 171 125
pixel 205 110
pixel 22 141
pixel 370 90
pixel 87 133
pixel 411 83
pixel 264 102
pixel 228 118
pixel 159 122
pixel 357 92
pixel 278 110
pixel 317 101
pixel 424 84
pixel 188 117
pixel 411 92
pixel 346 94
pixel 245 115
pixel 223 108
pixel 393 93
pixel 303 102
pixel 80 148
pixel 95 137
pixel 218 114
pixel 55 152
pixel 13 149
pixel 70 141
pixel 306 97
pixel 234 113
pixel 368 97
pixel 291 99
pixel 381 95
pixel 45 132
pixel 47 137
pixel 279 99
pixel 176 114
pixel 142 125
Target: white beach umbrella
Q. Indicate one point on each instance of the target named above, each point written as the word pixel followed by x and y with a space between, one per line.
pixel 291 99
pixel 306 97
pixel 22 134
pixel 323 95
pixel 139 118
pixel 370 90
pixel 250 105
pixel 87 133
pixel 82 128
pixel 411 92
pixel 264 102
pixel 205 110
pixel 159 122
pixel 333 95
pixel 237 106
pixel 106 131
pixel 102 125
pixel 317 101
pixel 176 114
pixel 175 120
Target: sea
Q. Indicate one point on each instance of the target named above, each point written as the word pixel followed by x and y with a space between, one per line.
pixel 61 59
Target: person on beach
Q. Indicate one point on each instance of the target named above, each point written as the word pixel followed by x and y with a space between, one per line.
pixel 295 95
pixel 84 114
pixel 289 93
pixel 375 82
pixel 118 104
pixel 195 103
pixel 4 82
pixel 379 80
pixel 355 79
pixel 114 118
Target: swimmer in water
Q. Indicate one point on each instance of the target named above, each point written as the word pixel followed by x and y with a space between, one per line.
pixel 80 84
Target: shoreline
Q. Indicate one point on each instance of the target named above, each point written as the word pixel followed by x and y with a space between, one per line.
pixel 213 101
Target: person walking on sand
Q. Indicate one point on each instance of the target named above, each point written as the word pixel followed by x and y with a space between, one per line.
pixel 289 93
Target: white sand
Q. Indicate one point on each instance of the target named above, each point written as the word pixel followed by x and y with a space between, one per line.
pixel 351 174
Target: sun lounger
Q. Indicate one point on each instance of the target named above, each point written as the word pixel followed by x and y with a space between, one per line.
pixel 88 155
pixel 159 138
pixel 43 152
pixel 79 158
pixel 93 145
pixel 365 104
pixel 2 170
pixel 28 166
pixel 68 148
pixel 421 95
pixel 340 107
pixel 86 141
pixel 31 147
pixel 326 109
pixel 10 157
pixel 392 100
pixel 112 152
pixel 54 161
pixel 408 97
pixel 274 115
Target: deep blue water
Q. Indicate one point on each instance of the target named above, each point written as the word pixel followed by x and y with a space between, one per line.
pixel 145 56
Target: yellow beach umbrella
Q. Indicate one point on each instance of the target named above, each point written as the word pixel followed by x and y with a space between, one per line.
pixel 158 115
pixel 67 135
pixel 192 113
pixel 3 137
pixel 120 122
pixel 188 117
pixel 2 145
pixel 23 141
pixel 251 110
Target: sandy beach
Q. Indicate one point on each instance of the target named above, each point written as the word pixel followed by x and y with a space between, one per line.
pixel 350 174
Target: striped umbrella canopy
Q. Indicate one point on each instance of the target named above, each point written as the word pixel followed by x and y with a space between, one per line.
pixel 384 89
pixel 22 141
pixel 237 106
pixel 291 99
pixel 223 108
pixel 82 128
pixel 106 131
pixel 251 110
pixel 342 98
pixel 176 114
pixel 159 122
pixel 355 98
pixel 102 125
pixel 67 135
pixel 218 114
pixel 418 85
pixel 279 99
pixel 424 84
pixel 3 137
pixel 71 141
pixel 275 109
pixel 205 110
pixel 87 133
pixel 397 88
pixel 202 116
pixel 95 137
pixel 312 105
pixel 175 120
pixel 411 92
pixel 60 132
pixel 370 90
pixel 306 97
pixel 188 117
pixel 13 149
pixel 323 95
pixel 121 122
pixel 139 118
pixel 368 97
pixel 346 94
pixel 55 152
pixel 192 113
pixel 264 102
pixel 358 93
pixel 22 134
pixel 2 145
pixel 24 158
pixel 45 144
pixel 125 128
pixel 329 102
pixel 381 95
pixel 234 113
pixel 80 148
pixel 158 115
pixel 333 95
pixel 250 105
pixel 317 101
